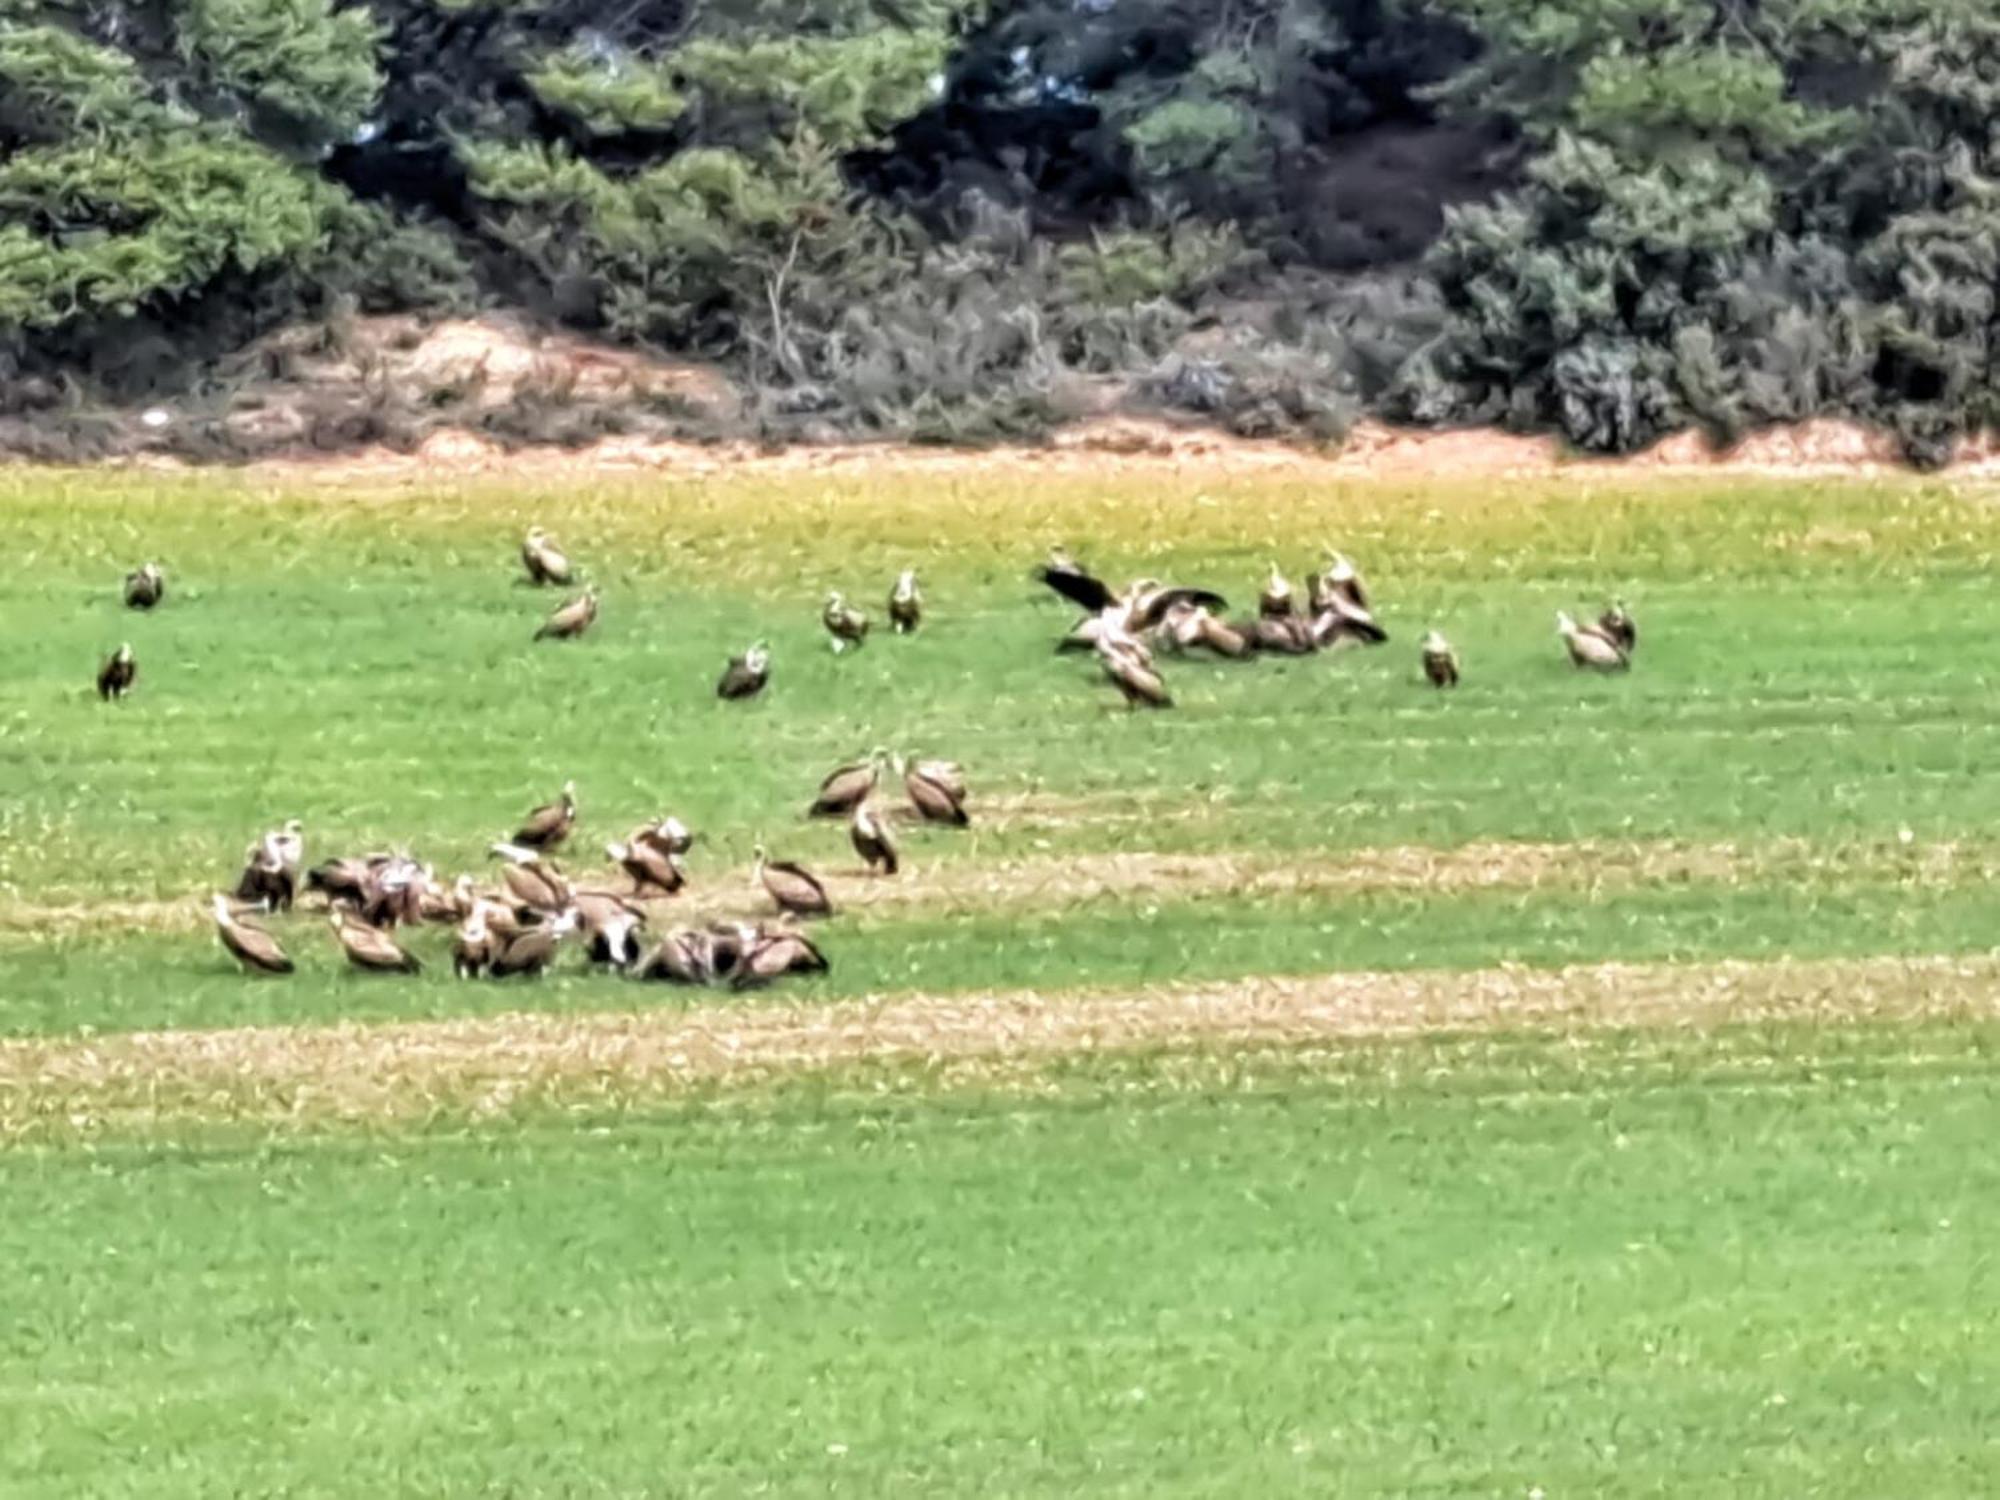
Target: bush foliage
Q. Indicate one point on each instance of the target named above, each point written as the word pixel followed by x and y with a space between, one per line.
pixel 965 218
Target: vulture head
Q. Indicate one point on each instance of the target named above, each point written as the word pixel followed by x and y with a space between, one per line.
pixel 758 657
pixel 1565 623
pixel 1434 642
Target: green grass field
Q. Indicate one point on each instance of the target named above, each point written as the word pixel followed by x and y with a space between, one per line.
pixel 1612 1258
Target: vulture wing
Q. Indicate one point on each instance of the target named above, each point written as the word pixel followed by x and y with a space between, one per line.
pixel 1155 606
pixel 1078 587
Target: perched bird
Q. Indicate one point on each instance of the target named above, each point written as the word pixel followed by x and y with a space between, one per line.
pixel 249 944
pixel 548 825
pixel 936 790
pixel 543 559
pixel 1617 625
pixel 846 787
pixel 271 867
pixel 475 945
pixel 906 603
pixel 1133 676
pixel 437 904
pixel 1287 635
pixel 1589 649
pixel 1341 611
pixel 533 949
pixel 947 774
pixel 1345 581
pixel 116 676
pixel 1440 661
pixel 1276 600
pixel 531 880
pixel 795 889
pixel 370 948
pixel 346 878
pixel 393 892
pixel 846 624
pixel 774 955
pixel 727 943
pixel 504 920
pixel 654 870
pixel 681 957
pixel 668 835
pixel 572 620
pixel 872 840
pixel 1188 626
pixel 610 928
pixel 746 675
pixel 145 587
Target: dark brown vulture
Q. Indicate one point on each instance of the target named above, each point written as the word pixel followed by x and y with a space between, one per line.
pixel 543 559
pixel 872 840
pixel 1590 650
pixel 248 944
pixel 370 948
pixel 145 587
pixel 1440 661
pixel 794 888
pixel 548 825
pixel 847 787
pixel 847 625
pixel 116 676
pixel 572 620
pixel 906 603
pixel 1617 625
pixel 746 675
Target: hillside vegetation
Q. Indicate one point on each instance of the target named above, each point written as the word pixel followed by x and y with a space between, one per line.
pixel 959 219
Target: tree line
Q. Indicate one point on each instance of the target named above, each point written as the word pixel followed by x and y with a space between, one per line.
pixel 957 218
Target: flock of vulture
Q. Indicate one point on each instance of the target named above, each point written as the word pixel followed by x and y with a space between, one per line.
pixel 520 925
pixel 1126 630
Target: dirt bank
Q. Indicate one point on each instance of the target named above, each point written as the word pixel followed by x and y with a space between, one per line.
pixel 396 397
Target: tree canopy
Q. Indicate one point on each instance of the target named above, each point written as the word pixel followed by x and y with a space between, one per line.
pixel 1607 219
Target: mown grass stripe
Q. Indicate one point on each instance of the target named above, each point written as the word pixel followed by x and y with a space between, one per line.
pixel 487 1066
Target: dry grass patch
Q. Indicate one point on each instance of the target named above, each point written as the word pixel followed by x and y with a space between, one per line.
pixel 480 1068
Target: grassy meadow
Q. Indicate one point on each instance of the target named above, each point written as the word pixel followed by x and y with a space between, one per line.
pixel 1808 672
pixel 1747 1259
